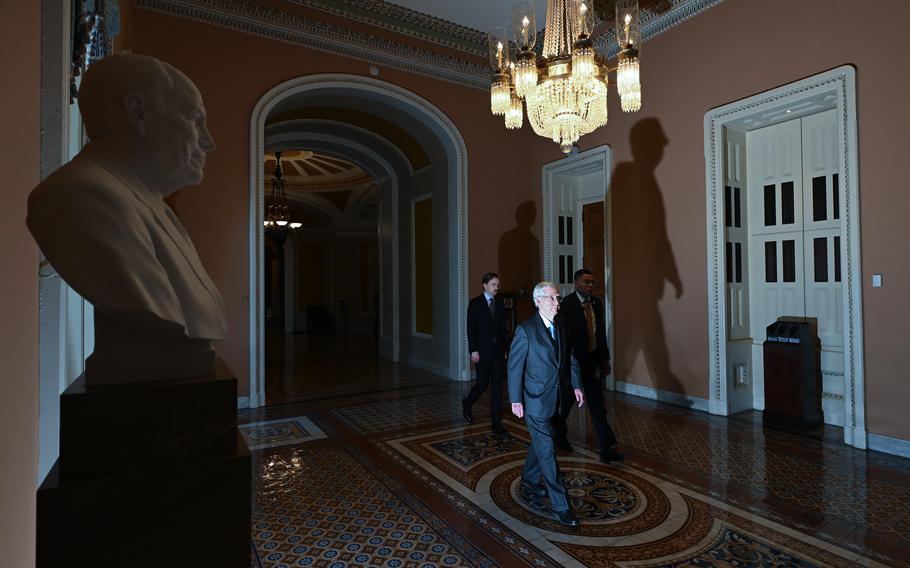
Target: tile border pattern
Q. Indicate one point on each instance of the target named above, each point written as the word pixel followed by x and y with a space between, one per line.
pixel 777 537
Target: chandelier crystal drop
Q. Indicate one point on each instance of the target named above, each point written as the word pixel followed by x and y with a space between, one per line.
pixel 565 90
pixel 628 36
pixel 515 114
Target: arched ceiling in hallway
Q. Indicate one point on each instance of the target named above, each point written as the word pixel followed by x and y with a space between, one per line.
pixel 325 191
pixel 399 137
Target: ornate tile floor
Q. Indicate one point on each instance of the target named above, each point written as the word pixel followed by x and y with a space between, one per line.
pixel 396 478
pixel 282 432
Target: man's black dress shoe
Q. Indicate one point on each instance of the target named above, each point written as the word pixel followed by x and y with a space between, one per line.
pixel 502 432
pixel 611 455
pixel 466 410
pixel 564 445
pixel 567 518
pixel 536 489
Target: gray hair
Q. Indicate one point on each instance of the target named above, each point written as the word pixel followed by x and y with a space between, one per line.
pixel 539 289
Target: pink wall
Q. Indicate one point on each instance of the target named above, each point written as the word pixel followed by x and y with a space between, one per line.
pixel 734 50
pixel 233 70
pixel 19 162
pixel 720 56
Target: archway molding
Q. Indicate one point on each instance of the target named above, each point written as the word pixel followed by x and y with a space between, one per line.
pixel 448 136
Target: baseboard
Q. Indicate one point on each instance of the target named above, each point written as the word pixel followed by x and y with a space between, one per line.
pixel 675 398
pixel 895 446
pixel 243 402
pixel 424 366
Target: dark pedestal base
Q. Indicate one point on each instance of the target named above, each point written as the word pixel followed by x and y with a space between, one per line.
pixel 190 515
pixel 150 475
pixel 106 430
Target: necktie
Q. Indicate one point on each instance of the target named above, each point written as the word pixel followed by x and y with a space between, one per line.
pixel 552 332
pixel 492 309
pixel 589 319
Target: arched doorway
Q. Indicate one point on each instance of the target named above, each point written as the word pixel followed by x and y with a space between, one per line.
pixel 312 110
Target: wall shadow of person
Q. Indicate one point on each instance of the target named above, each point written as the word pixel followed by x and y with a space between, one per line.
pixel 519 258
pixel 643 258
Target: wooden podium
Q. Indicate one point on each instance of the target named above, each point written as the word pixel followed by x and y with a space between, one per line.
pixel 792 376
pixel 150 475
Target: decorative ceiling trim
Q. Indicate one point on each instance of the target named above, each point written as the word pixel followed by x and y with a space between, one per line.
pixel 249 17
pixel 405 21
pixel 655 23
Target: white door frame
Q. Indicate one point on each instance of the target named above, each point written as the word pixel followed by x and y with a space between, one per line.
pixel 600 155
pixel 456 149
pixel 841 82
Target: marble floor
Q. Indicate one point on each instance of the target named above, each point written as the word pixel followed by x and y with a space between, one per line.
pixel 389 474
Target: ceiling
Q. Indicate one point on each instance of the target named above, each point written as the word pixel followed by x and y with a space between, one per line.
pixel 482 15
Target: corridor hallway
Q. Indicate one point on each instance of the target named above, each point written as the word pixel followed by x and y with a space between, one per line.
pixel 306 367
pixel 394 477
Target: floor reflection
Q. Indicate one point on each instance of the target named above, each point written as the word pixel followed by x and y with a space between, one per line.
pixel 390 475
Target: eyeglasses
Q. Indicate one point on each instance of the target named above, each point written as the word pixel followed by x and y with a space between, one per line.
pixel 551 298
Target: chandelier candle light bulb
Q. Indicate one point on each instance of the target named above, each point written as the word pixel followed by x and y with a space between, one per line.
pixel 628 81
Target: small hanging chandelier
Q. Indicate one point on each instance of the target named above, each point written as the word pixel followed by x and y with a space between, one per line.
pixel 277 214
pixel 565 92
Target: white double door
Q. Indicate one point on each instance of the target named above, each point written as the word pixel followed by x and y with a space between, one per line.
pixel 784 245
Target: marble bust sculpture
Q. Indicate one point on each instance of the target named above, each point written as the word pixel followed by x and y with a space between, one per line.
pixel 102 223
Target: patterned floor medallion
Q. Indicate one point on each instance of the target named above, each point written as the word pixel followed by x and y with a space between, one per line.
pixel 274 433
pixel 468 454
pixel 399 479
pixel 607 501
pixel 628 517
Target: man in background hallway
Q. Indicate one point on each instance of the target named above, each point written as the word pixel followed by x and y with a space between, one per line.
pixel 486 344
pixel 541 370
pixel 583 316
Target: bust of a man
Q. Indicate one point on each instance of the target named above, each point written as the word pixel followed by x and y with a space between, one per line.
pixel 102 223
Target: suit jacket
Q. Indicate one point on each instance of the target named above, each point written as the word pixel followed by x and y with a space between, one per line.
pixel 572 313
pixel 536 369
pixel 485 329
pixel 122 248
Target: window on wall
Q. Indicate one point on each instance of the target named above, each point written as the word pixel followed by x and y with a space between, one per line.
pixel 422 224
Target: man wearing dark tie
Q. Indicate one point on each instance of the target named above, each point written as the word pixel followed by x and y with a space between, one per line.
pixel 486 343
pixel 541 370
pixel 583 315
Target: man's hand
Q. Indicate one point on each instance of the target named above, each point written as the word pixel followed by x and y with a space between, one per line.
pixel 606 368
pixel 475 357
pixel 518 409
pixel 579 396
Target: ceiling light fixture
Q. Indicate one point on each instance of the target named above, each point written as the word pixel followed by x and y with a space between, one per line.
pixel 565 92
pixel 277 216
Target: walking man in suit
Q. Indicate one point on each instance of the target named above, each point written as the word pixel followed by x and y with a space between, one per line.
pixel 540 362
pixel 486 343
pixel 583 316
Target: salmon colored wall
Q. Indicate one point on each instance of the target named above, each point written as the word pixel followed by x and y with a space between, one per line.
pixel 19 161
pixel 734 50
pixel 686 72
pixel 233 70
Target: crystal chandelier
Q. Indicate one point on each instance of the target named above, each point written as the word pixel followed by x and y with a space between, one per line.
pixel 277 214
pixel 565 92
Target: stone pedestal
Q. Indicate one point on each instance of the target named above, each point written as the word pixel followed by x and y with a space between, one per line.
pixel 153 474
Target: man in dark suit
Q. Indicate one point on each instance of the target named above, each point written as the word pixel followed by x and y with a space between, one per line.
pixel 486 343
pixel 583 315
pixel 540 362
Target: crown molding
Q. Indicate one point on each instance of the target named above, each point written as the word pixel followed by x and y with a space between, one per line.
pixel 249 17
pixel 653 23
pixel 288 27
pixel 401 20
